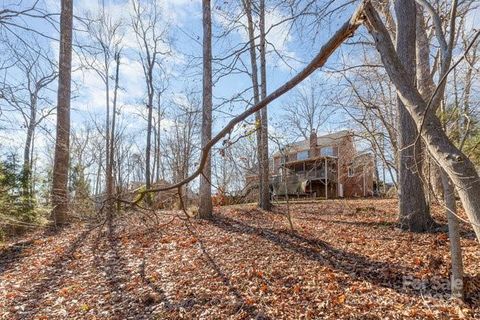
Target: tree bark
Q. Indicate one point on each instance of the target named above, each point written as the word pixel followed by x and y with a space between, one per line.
pixel 426 87
pixel 264 167
pixel 414 213
pixel 110 178
pixel 150 95
pixel 454 235
pixel 108 161
pixel 247 5
pixel 62 140
pixel 148 176
pixel 28 148
pixel 158 152
pixel 206 208
pixel 459 168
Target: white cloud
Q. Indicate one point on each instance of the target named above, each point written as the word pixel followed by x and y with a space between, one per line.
pixel 91 93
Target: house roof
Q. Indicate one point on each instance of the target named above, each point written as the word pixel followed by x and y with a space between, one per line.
pixel 330 139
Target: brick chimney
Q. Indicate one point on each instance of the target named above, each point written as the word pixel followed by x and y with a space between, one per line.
pixel 313 143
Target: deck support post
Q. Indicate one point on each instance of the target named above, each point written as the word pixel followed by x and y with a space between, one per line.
pixel 326 179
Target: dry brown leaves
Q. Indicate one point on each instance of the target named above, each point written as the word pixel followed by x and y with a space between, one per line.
pixel 346 260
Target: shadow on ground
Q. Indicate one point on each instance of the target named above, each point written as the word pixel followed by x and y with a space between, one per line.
pixel 12 254
pixel 359 267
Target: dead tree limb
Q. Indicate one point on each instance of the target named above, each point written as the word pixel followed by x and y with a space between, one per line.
pixel 344 32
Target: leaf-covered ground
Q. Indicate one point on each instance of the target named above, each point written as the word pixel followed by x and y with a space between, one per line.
pixel 347 260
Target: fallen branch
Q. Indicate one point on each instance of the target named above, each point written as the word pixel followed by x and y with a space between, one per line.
pixel 345 31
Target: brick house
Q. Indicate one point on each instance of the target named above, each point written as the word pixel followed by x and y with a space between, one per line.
pixel 327 166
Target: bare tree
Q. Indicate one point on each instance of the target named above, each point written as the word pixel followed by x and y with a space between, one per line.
pixel 205 209
pixel 82 151
pixel 347 29
pixel 153 43
pixel 264 166
pixel 459 168
pixel 157 160
pixel 426 88
pixel 261 116
pixel 414 213
pixel 107 36
pixel 456 164
pixel 62 141
pixel 369 100
pixel 232 165
pixel 30 98
pixel 308 110
pixel 181 139
pixel 112 146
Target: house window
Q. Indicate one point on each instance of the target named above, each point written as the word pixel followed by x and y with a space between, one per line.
pixel 351 172
pixel 326 151
pixel 302 155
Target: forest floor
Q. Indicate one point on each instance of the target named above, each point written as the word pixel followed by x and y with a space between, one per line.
pixel 346 260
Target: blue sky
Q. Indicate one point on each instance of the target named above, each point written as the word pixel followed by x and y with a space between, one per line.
pixel 184 64
pixel 297 44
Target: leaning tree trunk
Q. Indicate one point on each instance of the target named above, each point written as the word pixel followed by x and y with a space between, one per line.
pixel 414 212
pixel 62 141
pixel 205 209
pixel 457 165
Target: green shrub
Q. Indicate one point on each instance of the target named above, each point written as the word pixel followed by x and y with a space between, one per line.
pixel 17 207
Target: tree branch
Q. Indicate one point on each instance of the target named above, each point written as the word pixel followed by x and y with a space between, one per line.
pixel 344 32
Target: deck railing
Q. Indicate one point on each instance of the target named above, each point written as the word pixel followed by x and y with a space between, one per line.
pixel 302 175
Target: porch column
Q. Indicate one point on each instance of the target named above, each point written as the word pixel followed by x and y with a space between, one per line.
pixel 326 179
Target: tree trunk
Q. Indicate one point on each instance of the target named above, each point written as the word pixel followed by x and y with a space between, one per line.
pixel 158 154
pixel 205 208
pixel 110 179
pixel 426 87
pixel 256 97
pixel 264 167
pixel 32 166
pixel 62 140
pixel 108 161
pixel 472 59
pixel 150 61
pixel 148 176
pixel 459 168
pixel 454 235
pixel 414 212
pixel 27 152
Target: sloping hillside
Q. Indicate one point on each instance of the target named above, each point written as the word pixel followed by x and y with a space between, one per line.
pixel 346 260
